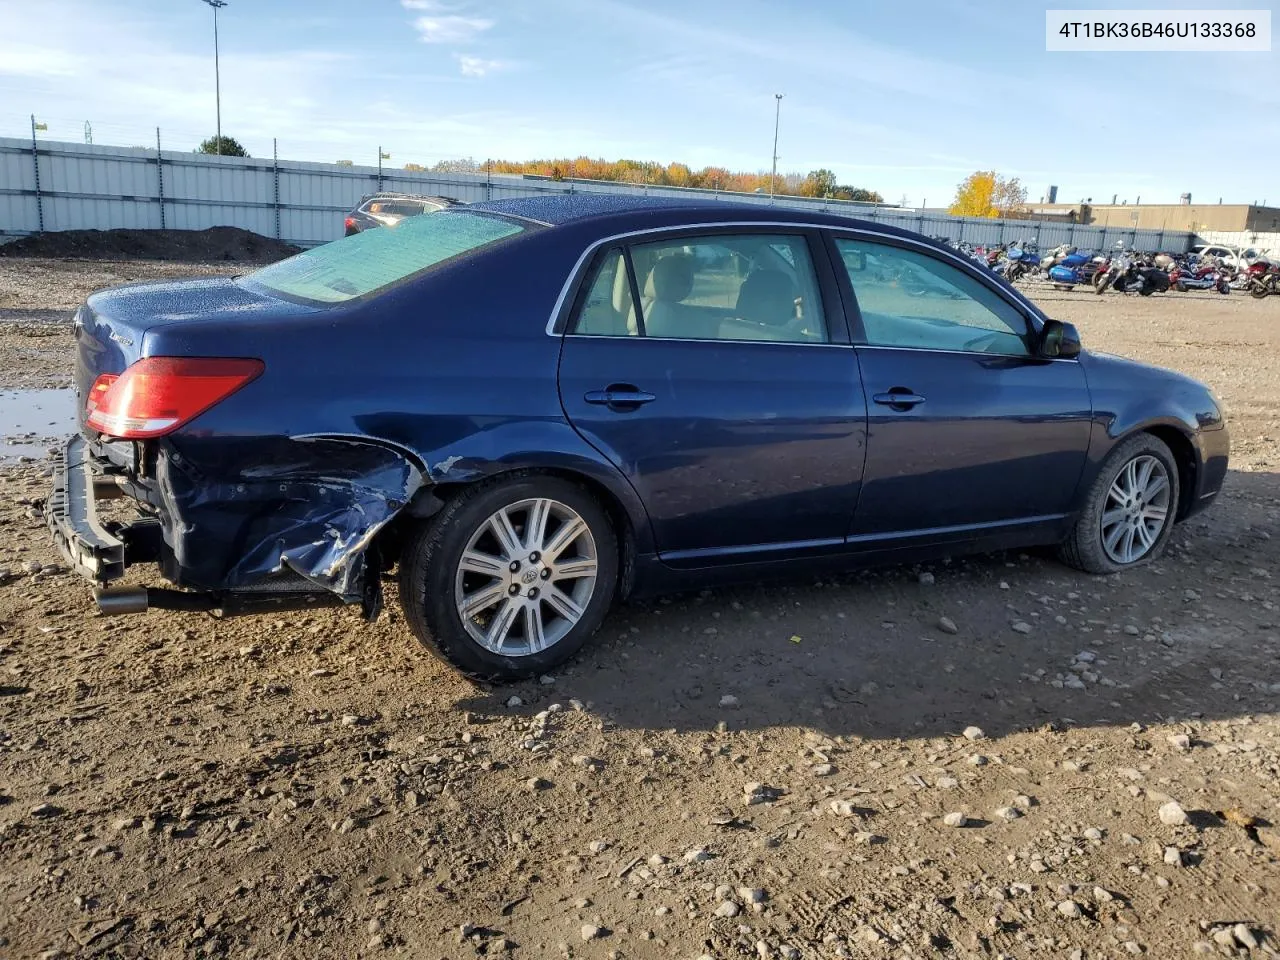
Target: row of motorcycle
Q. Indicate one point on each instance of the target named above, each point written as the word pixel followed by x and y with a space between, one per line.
pixel 1123 270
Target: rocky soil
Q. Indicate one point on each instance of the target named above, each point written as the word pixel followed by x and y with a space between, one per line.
pixel 994 757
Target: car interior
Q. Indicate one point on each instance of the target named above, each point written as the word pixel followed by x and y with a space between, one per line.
pixel 718 288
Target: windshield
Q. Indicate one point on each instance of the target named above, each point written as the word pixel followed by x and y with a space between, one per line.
pixel 370 261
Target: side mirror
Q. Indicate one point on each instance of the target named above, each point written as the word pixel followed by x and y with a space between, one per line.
pixel 1059 340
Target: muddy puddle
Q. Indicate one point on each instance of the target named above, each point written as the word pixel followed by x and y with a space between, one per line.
pixel 33 420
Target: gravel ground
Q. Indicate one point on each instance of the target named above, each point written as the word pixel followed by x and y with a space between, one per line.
pixel 996 757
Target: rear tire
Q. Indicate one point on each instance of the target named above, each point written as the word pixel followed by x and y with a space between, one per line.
pixel 524 638
pixel 1258 290
pixel 1089 547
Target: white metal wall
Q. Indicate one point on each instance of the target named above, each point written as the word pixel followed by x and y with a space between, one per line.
pixel 83 186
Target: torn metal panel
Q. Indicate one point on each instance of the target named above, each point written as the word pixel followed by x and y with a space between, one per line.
pixel 309 509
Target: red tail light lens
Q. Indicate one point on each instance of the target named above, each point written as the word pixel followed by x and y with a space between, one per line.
pixel 349 223
pixel 159 394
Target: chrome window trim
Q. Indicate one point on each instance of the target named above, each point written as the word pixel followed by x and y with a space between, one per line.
pixel 969 353
pixel 1018 300
pixel 773 343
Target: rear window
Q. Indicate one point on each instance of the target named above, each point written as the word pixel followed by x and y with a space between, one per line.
pixel 367 262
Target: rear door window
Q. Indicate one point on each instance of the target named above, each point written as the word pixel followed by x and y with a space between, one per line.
pixel 373 260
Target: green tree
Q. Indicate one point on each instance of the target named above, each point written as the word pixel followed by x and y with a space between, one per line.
pixel 819 183
pixel 230 147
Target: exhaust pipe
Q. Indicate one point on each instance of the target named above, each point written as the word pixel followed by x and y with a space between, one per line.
pixel 117 600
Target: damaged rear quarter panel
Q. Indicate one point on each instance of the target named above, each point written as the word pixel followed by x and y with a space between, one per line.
pixel 450 379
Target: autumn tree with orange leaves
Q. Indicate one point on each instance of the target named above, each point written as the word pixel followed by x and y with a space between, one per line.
pixel 818 183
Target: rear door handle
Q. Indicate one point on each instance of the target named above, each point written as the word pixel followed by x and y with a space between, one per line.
pixel 619 396
pixel 898 398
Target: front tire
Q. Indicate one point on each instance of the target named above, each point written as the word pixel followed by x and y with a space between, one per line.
pixel 1129 514
pixel 511 578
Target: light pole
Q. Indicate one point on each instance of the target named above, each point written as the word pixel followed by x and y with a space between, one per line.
pixel 217 79
pixel 777 116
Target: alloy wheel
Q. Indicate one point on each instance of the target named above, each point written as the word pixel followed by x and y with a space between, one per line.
pixel 525 577
pixel 1136 510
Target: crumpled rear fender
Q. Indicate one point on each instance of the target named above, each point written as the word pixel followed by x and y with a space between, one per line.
pixel 239 513
pixel 309 507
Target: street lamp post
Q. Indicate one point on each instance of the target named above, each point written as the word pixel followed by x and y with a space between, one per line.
pixel 217 79
pixel 777 116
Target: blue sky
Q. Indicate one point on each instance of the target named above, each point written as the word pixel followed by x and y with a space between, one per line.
pixel 905 98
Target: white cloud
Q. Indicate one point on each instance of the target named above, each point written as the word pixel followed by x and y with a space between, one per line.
pixel 450 28
pixel 478 66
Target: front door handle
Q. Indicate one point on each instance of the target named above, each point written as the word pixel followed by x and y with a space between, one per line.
pixel 619 396
pixel 898 398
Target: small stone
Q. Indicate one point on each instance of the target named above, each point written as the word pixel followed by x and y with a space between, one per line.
pixel 45 810
pixel 350 719
pixel 1070 909
pixel 514 701
pixel 1008 813
pixel 1244 936
pixel 976 760
pixel 1092 833
pixel 823 770
pixel 534 784
pixel 1173 856
pixel 33 566
pixel 1180 741
pixel 589 931
pixel 926 579
pixel 250 651
pixel 728 701
pixel 696 855
pixel 974 733
pixel 1020 626
pixel 1172 815
pixel 657 860
pixel 374 925
pixel 1225 937
pixel 752 894
pixel 843 808
pixel 599 846
pixel 947 625
pixel 1086 656
pixel 868 839
pixel 955 819
pixel 1102 895
pixel 946 783
pixel 727 909
pixel 546 679
pixel 1023 802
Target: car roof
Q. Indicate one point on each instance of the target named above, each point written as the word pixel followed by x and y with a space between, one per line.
pixel 619 212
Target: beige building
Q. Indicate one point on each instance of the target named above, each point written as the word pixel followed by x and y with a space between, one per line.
pixel 1196 217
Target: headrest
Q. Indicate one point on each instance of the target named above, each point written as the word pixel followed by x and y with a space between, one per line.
pixel 671 279
pixel 769 297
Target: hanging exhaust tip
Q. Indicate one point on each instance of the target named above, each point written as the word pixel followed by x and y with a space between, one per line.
pixel 117 600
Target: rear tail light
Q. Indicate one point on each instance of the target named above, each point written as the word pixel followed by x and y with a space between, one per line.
pixel 159 394
pixel 349 224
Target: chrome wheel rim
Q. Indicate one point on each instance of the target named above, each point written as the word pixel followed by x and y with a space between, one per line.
pixel 1136 510
pixel 525 577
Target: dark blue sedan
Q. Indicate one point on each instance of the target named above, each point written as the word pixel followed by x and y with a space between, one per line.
pixel 533 407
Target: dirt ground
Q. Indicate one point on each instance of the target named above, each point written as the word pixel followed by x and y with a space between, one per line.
pixel 762 772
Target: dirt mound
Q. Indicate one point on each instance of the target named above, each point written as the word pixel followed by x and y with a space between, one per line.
pixel 215 243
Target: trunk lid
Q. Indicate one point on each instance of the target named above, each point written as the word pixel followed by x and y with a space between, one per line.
pixel 111 327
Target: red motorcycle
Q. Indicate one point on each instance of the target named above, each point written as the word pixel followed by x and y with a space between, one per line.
pixel 1262 279
pixel 1204 277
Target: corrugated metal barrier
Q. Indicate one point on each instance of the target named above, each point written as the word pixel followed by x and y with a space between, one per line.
pixel 48 185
